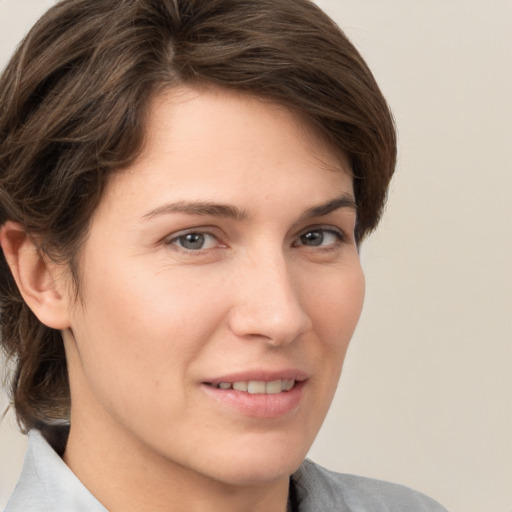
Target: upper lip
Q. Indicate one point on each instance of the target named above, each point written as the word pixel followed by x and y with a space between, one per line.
pixel 260 375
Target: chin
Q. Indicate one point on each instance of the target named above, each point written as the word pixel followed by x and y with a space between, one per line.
pixel 258 466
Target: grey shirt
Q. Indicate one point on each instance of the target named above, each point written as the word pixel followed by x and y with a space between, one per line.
pixel 46 484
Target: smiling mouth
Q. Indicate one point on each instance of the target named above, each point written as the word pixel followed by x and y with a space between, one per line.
pixel 257 386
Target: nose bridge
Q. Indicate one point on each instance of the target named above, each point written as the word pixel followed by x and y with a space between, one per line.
pixel 268 302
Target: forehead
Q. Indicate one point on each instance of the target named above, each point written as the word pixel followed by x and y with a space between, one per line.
pixel 220 118
pixel 217 145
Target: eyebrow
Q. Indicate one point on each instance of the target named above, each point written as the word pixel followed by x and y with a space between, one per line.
pixel 198 208
pixel 344 201
pixel 235 213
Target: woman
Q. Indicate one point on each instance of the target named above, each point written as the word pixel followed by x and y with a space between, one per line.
pixel 184 188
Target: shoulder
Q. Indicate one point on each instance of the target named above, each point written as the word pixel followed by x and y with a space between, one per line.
pixel 317 488
pixel 46 484
pixel 30 493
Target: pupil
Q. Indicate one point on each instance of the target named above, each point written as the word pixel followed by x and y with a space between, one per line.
pixel 312 238
pixel 193 241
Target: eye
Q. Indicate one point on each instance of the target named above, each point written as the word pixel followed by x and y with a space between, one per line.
pixel 319 237
pixel 194 241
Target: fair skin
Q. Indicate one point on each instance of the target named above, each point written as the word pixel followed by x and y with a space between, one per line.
pixel 224 256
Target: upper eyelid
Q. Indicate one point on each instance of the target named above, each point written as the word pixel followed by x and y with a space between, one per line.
pixel 322 227
pixel 204 230
pixel 191 232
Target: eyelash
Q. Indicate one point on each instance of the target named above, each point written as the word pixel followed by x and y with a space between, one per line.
pixel 338 234
pixel 176 238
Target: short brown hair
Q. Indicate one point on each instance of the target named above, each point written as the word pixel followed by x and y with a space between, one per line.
pixel 73 101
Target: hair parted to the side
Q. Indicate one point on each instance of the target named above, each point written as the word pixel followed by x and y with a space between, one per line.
pixel 73 103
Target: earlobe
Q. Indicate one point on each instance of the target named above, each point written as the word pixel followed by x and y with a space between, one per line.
pixel 39 281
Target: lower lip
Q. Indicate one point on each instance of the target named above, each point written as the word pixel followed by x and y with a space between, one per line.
pixel 259 405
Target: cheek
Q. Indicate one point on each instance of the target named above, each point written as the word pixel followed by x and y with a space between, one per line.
pixel 137 345
pixel 336 305
pixel 336 308
pixel 141 330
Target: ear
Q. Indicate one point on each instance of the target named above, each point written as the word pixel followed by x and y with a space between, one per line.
pixel 40 282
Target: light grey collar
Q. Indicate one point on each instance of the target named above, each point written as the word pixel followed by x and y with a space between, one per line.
pixel 47 484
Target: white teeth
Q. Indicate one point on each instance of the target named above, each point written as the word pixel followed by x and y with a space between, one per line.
pixel 256 386
pixel 259 386
pixel 241 386
pixel 271 388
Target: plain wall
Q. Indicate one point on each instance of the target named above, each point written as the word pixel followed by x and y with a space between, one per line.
pixel 426 393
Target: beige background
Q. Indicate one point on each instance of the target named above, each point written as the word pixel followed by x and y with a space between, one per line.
pixel 426 396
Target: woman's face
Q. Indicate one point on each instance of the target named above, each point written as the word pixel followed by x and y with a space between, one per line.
pixel 220 287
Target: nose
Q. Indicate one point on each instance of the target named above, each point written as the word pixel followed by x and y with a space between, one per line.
pixel 267 303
